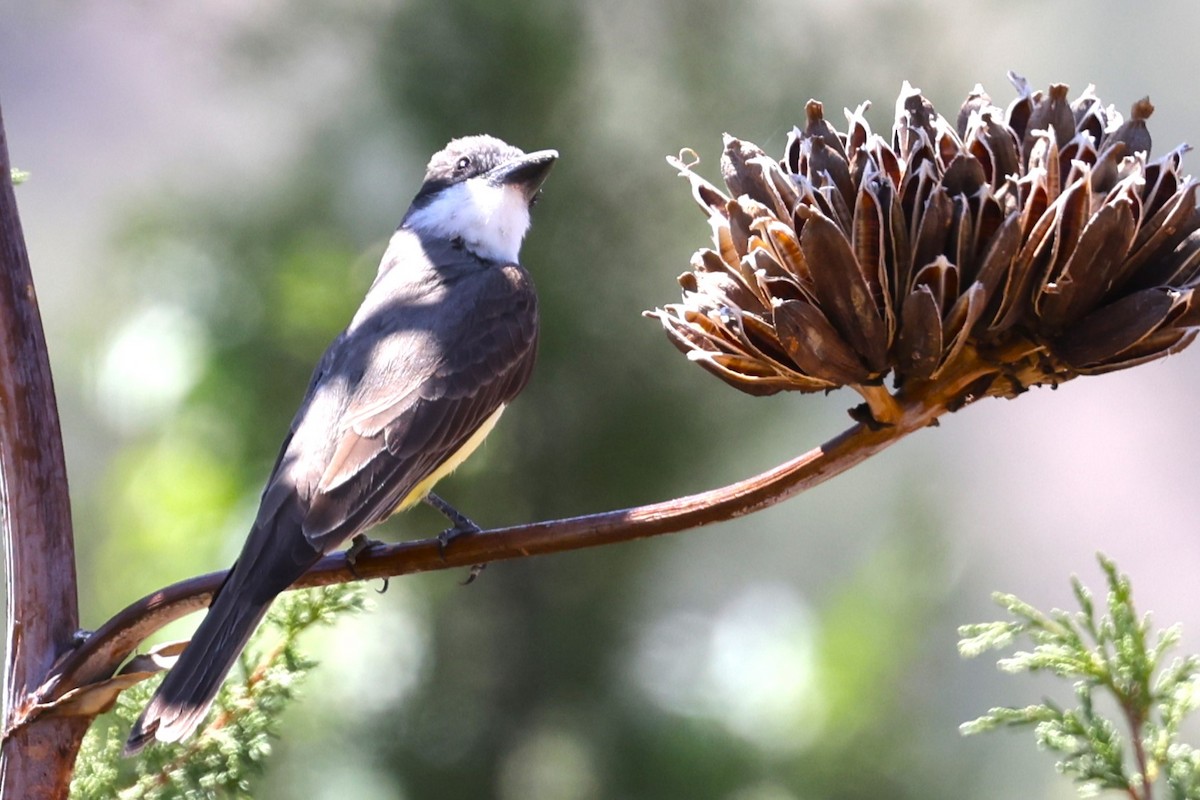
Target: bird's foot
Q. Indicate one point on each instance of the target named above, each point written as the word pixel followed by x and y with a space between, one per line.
pixel 461 526
pixel 359 545
pixel 450 534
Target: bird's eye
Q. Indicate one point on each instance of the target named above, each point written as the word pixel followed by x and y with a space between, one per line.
pixel 462 164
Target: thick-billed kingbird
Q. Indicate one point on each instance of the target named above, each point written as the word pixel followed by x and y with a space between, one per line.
pixel 443 341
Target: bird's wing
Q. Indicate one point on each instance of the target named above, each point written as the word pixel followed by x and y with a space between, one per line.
pixel 417 403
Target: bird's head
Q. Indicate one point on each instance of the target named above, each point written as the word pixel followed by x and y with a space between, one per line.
pixel 479 190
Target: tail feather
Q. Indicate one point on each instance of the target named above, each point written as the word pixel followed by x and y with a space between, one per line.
pixel 187 692
pixel 273 557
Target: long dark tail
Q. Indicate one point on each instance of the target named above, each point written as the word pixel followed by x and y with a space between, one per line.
pixel 269 563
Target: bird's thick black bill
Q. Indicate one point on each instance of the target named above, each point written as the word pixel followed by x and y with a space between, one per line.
pixel 527 172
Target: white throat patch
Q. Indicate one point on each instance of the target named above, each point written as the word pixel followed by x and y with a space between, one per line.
pixel 490 220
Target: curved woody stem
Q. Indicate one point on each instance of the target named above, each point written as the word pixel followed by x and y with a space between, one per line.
pixel 103 652
pixel 99 656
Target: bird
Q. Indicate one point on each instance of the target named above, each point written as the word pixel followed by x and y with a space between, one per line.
pixel 444 340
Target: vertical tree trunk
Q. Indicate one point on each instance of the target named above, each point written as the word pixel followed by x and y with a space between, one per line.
pixel 35 515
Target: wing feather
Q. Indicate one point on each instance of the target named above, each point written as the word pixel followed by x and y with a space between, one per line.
pixel 420 399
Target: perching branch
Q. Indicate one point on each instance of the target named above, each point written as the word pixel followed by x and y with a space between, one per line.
pixel 104 651
pixel 43 614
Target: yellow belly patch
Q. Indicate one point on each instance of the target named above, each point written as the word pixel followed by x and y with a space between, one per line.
pixel 452 463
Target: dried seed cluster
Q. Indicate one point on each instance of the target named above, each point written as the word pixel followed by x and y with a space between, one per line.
pixel 1022 246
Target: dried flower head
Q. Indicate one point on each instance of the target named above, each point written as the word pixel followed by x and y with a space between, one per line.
pixel 1009 249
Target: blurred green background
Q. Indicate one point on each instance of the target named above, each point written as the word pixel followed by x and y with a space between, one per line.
pixel 212 186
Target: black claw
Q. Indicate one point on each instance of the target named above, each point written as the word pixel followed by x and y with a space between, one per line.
pixel 359 545
pixel 476 570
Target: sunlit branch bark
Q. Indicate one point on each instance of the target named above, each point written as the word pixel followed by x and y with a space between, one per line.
pixel 110 645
